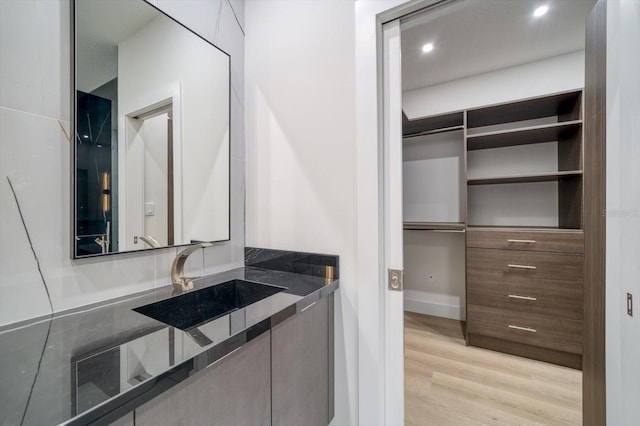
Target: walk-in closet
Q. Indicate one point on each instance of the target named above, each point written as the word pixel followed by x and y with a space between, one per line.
pixel 493 112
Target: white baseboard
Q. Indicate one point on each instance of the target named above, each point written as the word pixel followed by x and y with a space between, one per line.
pixel 434 309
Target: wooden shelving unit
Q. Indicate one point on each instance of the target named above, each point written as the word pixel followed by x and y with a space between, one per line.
pixel 434 196
pixel 565 106
pixel 524 178
pixel 521 224
pixel 434 170
pixel 433 132
pixel 430 125
pixel 537 122
pixel 561 132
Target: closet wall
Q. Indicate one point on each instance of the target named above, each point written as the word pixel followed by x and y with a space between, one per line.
pixel 433 193
pixel 552 75
pixel 434 184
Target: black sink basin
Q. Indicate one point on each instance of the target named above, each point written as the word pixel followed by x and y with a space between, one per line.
pixel 195 308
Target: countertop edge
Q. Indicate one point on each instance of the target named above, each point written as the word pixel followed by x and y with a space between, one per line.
pixel 135 397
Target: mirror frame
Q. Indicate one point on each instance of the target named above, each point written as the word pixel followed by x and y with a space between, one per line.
pixel 72 140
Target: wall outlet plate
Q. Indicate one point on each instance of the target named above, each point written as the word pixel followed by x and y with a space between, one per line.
pixel 149 209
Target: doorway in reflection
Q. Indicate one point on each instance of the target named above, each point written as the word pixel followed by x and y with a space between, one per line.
pixel 150 145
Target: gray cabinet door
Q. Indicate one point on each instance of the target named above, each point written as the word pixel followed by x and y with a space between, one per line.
pixel 301 365
pixel 233 391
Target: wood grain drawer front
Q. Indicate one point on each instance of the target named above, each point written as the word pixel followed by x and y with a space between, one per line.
pixel 532 329
pixel 556 241
pixel 507 279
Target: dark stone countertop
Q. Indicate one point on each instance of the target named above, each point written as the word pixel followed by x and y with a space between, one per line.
pixel 95 364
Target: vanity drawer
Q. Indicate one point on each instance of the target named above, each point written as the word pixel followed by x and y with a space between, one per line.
pixel 530 240
pixel 507 279
pixel 560 334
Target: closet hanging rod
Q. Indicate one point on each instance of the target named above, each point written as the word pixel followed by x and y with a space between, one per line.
pixel 433 132
pixel 457 231
pixel 434 227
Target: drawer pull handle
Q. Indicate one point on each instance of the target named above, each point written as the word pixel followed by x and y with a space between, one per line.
pixel 522 241
pixel 521 266
pixel 515 296
pixel 530 330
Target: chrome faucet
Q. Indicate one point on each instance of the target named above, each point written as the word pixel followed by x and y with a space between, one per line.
pixel 150 240
pixel 180 282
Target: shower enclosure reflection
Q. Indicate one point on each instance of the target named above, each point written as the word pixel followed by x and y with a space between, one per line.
pixel 94 170
pixel 151 149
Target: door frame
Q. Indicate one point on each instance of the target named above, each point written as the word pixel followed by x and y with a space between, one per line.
pixel 595 204
pixel 372 276
pixel 171 94
pixel 374 407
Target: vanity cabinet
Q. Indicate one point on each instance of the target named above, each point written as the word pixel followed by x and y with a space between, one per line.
pixel 302 357
pixel 236 390
pixel 283 377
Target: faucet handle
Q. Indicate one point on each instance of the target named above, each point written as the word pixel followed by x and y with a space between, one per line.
pixel 180 282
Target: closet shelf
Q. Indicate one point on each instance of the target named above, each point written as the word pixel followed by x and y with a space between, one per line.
pixel 435 226
pixel 524 135
pixel 566 106
pixel 433 132
pixel 434 124
pixel 525 178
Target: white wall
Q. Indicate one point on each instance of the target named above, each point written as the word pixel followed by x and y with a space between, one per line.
pixel 35 154
pixel 163 55
pixel 433 180
pixel 623 212
pixel 433 185
pixel 300 76
pixel 434 273
pixel 561 73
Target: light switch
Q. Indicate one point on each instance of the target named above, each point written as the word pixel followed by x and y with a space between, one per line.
pixel 149 209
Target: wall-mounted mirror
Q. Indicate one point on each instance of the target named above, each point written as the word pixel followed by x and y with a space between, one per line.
pixel 151 146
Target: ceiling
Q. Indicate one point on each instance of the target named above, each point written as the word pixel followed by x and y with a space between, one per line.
pixel 100 26
pixel 477 36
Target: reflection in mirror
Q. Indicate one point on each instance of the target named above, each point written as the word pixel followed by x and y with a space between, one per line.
pixel 151 149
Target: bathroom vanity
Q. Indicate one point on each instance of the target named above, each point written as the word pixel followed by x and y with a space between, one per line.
pixel 267 361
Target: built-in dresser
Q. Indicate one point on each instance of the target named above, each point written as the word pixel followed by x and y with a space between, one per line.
pixel 523 222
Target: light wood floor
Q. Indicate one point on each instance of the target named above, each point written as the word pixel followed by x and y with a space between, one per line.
pixel 448 383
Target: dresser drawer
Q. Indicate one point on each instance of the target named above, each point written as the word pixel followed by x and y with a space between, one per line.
pixel 548 284
pixel 529 240
pixel 560 334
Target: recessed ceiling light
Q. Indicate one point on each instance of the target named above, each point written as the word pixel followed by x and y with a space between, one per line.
pixel 427 48
pixel 540 11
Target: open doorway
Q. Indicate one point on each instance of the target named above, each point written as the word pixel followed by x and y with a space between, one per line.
pixel 150 184
pixel 492 208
